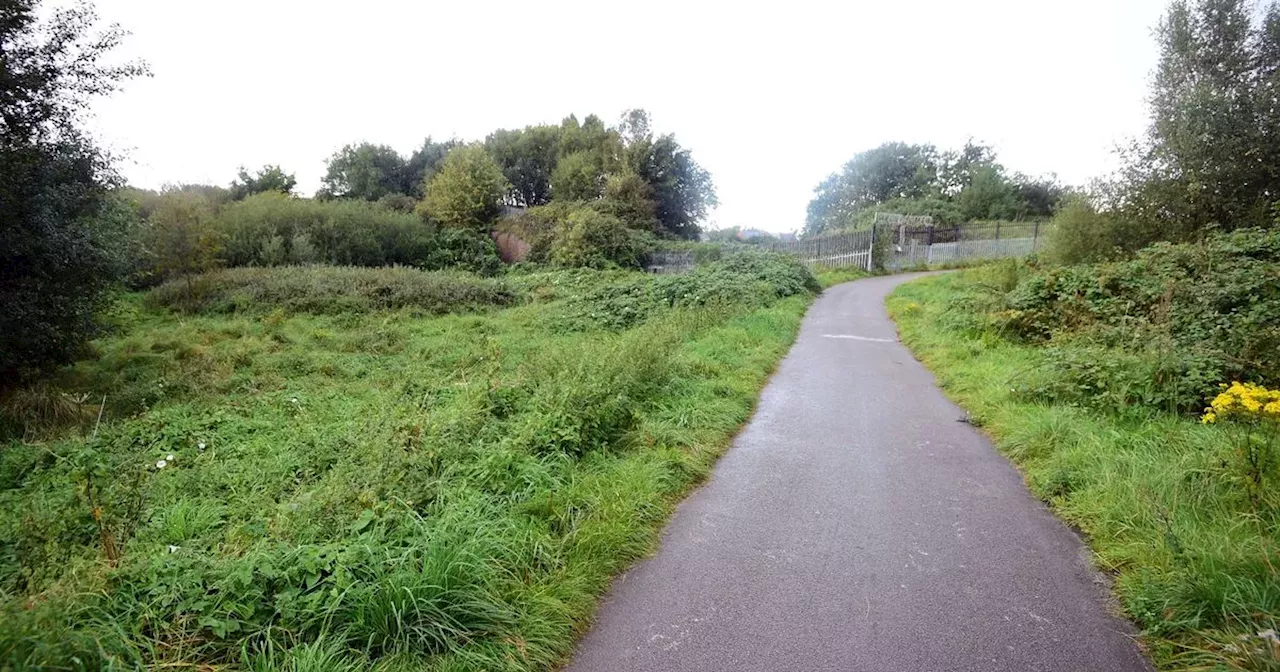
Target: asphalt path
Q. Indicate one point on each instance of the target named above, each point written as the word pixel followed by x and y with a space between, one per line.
pixel 857 524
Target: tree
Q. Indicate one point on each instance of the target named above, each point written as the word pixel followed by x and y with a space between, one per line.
pixel 181 236
pixel 63 236
pixel 1211 156
pixel 269 178
pixel 892 170
pixel 527 158
pixel 682 191
pixel 365 171
pixel 422 166
pixel 467 192
pixel 578 177
pixel 987 196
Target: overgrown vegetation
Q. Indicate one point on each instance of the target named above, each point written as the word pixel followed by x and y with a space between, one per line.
pixel 327 289
pixel 341 483
pixel 1169 504
pixel 1209 160
pixel 63 238
pixel 1160 330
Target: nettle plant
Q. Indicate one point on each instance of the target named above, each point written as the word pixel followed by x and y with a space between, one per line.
pixel 1253 414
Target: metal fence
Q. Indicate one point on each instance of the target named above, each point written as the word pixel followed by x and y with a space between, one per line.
pixel 911 246
pixel 853 248
pixel 670 262
pixel 891 245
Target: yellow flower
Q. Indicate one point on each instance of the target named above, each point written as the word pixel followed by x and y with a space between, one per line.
pixel 1272 408
pixel 1209 418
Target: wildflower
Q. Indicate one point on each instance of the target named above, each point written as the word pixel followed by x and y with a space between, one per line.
pixel 160 464
pixel 169 457
pixel 294 400
pixel 174 549
pixel 200 445
pixel 1209 418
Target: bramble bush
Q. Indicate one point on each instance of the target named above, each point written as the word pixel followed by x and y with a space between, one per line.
pixel 1161 329
pixel 749 277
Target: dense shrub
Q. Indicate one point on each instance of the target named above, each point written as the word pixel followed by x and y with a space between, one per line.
pixel 1080 233
pixel 580 235
pixel 329 289
pixel 272 228
pixel 744 278
pixel 1181 317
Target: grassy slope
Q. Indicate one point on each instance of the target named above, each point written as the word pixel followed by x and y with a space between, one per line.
pixel 352 460
pixel 1194 565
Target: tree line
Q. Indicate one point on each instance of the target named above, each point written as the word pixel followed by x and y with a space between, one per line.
pixel 1209 160
pixel 951 186
pixel 71 230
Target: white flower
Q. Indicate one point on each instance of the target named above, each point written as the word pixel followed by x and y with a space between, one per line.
pixel 170 457
pixel 173 549
pixel 294 400
pixel 160 464
pixel 200 445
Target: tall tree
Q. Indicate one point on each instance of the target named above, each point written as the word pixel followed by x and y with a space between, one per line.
pixel 62 236
pixel 467 192
pixel 268 178
pixel 1210 158
pixel 527 158
pixel 365 171
pixel 423 164
pixel 892 170
pixel 682 191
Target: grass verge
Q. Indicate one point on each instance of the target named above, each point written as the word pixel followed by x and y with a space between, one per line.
pixel 1194 559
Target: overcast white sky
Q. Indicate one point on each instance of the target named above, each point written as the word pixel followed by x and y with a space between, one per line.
pixel 771 97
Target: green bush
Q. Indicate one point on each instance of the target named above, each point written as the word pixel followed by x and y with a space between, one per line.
pixel 329 289
pixel 572 234
pixel 272 229
pixel 1187 317
pixel 749 277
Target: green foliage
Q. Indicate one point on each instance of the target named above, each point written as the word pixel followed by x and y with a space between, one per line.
pixel 527 158
pixel 953 187
pixel 366 489
pixel 590 239
pixel 1081 234
pixel 181 236
pixel 1157 495
pixel 1160 330
pixel 269 178
pixel 467 192
pixel 463 250
pixel 271 229
pixel 682 191
pixel 329 290
pixel 364 171
pixel 747 277
pixel 373 172
pixel 64 240
pixel 1211 156
pixel 578 177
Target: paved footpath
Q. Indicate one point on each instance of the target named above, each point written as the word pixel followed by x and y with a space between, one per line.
pixel 855 524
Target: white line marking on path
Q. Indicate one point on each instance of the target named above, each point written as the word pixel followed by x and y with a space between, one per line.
pixel 859 338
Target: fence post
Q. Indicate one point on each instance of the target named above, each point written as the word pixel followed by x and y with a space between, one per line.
pixel 1035 236
pixel 997 230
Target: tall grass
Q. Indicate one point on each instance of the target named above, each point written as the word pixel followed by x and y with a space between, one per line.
pixel 367 490
pixel 1195 562
pixel 329 289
